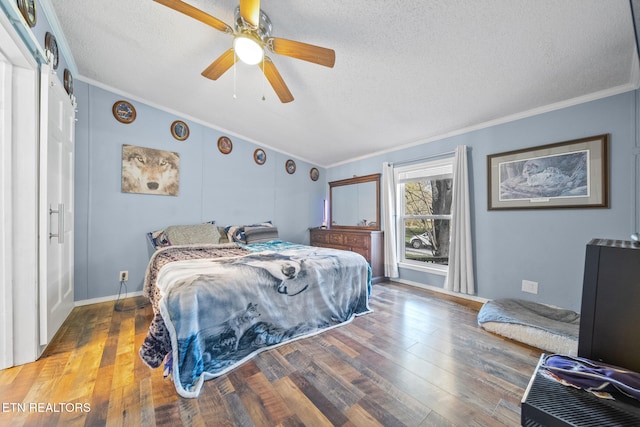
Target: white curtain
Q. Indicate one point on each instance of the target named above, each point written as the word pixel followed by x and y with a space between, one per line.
pixel 389 219
pixel 460 275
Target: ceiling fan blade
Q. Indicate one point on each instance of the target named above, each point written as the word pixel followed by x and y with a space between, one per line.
pixel 220 65
pixel 196 13
pixel 275 79
pixel 250 11
pixel 304 51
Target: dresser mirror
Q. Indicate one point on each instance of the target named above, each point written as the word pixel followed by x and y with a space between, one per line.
pixel 355 203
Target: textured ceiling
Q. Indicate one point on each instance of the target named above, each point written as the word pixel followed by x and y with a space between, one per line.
pixel 407 71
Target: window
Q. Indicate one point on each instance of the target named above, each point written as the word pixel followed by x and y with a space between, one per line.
pixel 424 193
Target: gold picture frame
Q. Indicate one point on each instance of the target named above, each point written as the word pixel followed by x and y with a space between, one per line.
pixel 259 156
pixel 225 145
pixel 68 81
pixel 28 10
pixel 290 166
pixel 124 111
pixel 51 45
pixel 180 130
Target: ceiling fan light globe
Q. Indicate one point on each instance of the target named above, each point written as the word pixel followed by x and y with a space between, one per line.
pixel 248 50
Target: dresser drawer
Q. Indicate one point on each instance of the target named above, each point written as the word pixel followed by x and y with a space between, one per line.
pixel 317 237
pixel 362 251
pixel 359 240
pixel 331 246
pixel 336 239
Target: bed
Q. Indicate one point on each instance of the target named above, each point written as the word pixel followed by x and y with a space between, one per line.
pixel 218 305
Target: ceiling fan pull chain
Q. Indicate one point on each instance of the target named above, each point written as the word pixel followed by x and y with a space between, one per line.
pixel 263 75
pixel 234 74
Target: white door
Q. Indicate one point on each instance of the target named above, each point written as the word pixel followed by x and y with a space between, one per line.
pixel 57 115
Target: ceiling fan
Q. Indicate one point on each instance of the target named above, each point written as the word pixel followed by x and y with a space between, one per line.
pixel 251 35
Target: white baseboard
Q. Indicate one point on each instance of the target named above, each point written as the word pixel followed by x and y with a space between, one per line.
pixel 106 299
pixel 442 291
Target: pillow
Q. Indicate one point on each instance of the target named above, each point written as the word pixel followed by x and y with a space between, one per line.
pixel 224 238
pixel 260 234
pixel 186 235
pixel 193 234
pixel 158 239
pixel 236 232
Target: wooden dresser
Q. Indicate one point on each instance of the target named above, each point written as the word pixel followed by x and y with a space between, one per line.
pixel 367 243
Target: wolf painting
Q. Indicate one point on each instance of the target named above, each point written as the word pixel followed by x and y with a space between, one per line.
pixel 150 171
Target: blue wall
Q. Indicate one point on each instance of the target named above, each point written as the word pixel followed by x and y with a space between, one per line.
pixel 111 226
pixel 545 246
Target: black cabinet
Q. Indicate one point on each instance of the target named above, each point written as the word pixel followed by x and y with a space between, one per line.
pixel 547 403
pixel 610 313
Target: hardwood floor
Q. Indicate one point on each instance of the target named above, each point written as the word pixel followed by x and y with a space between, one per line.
pixel 418 360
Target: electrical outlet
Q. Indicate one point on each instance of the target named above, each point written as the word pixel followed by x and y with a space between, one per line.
pixel 124 276
pixel 529 286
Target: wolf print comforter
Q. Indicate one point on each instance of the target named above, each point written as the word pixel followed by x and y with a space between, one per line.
pixel 216 313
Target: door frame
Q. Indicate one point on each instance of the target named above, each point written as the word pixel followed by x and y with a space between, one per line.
pixel 19 200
